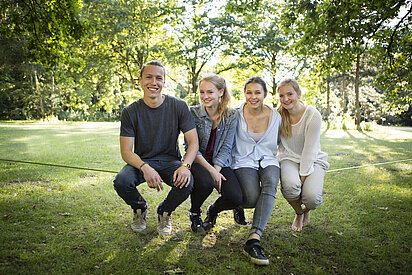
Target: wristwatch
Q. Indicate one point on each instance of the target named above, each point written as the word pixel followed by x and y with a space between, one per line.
pixel 187 165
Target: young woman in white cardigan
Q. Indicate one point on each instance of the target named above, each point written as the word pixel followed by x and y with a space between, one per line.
pixel 303 164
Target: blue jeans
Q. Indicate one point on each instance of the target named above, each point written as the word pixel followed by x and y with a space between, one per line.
pixel 130 177
pixel 259 191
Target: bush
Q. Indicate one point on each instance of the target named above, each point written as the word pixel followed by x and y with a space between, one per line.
pixel 368 126
pixel 345 122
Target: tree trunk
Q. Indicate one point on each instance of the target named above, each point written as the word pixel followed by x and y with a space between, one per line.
pixel 343 90
pixel 42 115
pixel 357 104
pixel 328 97
pixel 274 79
pixel 194 75
pixel 51 96
pixel 274 91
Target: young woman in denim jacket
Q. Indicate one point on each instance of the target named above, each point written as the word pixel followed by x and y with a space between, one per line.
pixel 216 126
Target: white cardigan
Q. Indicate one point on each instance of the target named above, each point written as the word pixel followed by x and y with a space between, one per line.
pixel 249 153
pixel 303 146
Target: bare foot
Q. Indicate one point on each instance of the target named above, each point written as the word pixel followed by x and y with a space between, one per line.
pixel 298 223
pixel 306 218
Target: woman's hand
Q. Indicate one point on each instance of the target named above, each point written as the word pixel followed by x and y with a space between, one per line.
pixel 217 179
pixel 302 179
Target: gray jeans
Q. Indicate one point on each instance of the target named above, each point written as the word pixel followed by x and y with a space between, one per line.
pixel 259 191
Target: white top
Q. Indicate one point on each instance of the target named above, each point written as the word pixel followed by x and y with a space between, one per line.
pixel 303 146
pixel 256 136
pixel 250 153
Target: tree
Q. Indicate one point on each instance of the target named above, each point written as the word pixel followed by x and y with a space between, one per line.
pixel 45 26
pixel 347 28
pixel 42 30
pixel 124 36
pixel 392 56
pixel 262 41
pixel 200 34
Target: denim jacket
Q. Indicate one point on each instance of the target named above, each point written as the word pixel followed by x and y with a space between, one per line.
pixel 224 136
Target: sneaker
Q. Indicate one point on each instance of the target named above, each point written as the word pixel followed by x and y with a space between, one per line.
pixel 210 220
pixel 239 216
pixel 139 220
pixel 256 254
pixel 165 224
pixel 197 224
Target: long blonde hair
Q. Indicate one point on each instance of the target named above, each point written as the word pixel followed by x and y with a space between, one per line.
pixel 286 126
pixel 224 101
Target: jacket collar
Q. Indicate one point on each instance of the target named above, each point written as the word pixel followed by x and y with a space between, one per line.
pixel 202 111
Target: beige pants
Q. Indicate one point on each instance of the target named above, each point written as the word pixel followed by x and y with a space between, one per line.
pixel 291 186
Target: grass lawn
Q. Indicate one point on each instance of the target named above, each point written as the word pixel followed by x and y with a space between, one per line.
pixel 67 221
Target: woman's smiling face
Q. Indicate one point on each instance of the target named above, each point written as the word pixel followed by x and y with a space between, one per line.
pixel 254 95
pixel 209 95
pixel 288 97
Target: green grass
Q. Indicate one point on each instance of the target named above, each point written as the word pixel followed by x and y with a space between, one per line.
pixel 67 221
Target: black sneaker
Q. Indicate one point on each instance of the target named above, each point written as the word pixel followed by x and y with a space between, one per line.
pixel 196 223
pixel 210 220
pixel 239 216
pixel 256 254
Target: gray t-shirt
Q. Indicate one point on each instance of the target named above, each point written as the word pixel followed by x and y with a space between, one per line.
pixel 156 130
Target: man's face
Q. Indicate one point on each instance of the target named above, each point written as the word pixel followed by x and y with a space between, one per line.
pixel 152 81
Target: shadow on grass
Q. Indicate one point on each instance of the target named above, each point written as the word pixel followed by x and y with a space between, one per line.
pixel 364 149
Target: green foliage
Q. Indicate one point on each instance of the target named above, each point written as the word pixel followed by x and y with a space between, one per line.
pixel 262 41
pixel 200 33
pixel 394 79
pixel 46 26
pixel 346 122
pixel 338 35
pixel 86 55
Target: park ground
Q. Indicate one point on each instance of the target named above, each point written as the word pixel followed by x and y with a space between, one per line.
pixel 58 220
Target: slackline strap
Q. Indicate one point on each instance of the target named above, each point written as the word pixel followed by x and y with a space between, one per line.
pixel 115 172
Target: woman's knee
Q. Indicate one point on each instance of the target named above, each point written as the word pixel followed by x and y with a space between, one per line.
pixel 291 190
pixel 250 200
pixel 235 199
pixel 203 186
pixel 312 201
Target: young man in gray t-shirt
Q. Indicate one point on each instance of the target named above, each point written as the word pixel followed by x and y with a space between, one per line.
pixel 149 145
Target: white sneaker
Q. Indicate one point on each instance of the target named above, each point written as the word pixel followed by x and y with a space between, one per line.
pixel 139 220
pixel 165 224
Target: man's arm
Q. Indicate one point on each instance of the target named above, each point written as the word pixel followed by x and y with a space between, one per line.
pixel 151 176
pixel 182 175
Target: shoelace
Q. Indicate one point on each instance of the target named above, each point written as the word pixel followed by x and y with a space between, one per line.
pixel 258 252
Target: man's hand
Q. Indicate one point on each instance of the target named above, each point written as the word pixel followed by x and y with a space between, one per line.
pixel 181 177
pixel 152 178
